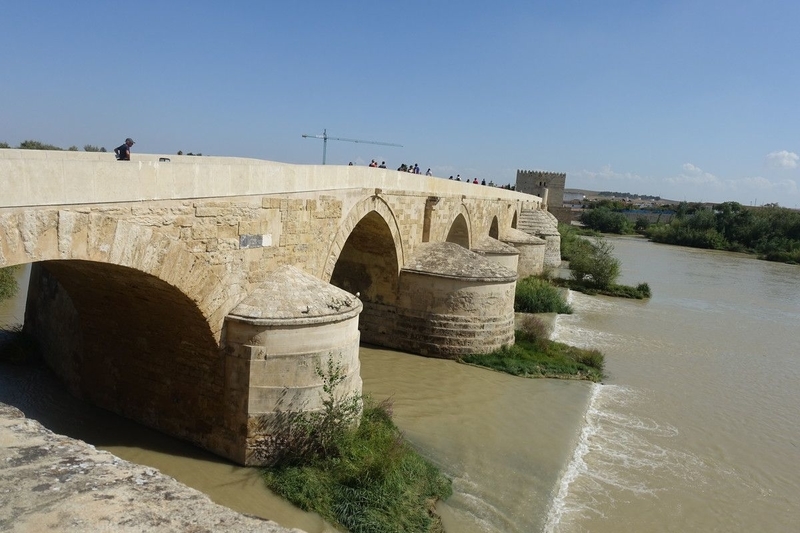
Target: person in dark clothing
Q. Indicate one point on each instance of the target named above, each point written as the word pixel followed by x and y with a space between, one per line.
pixel 123 151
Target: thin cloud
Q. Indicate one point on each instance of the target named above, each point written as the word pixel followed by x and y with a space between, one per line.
pixel 759 183
pixel 607 174
pixel 694 175
pixel 782 159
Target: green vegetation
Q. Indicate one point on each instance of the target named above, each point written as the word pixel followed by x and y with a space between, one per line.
pixel 38 145
pixel 8 283
pixel 772 233
pixel 571 241
pixel 534 355
pixel 538 295
pixel 364 479
pixel 605 220
pixel 593 263
pixel 594 269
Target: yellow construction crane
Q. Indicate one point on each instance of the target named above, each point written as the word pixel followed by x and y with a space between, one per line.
pixel 325 138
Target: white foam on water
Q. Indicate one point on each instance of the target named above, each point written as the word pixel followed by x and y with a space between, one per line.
pixel 576 466
pixel 617 454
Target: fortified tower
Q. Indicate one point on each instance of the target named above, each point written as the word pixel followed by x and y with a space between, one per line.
pixel 550 187
pixel 547 185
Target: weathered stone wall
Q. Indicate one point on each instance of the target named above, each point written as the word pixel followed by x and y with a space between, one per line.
pixel 448 317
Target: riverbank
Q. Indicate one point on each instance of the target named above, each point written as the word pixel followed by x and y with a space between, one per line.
pixel 52 482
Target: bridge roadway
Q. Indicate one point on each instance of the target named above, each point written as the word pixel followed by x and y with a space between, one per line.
pixel 201 295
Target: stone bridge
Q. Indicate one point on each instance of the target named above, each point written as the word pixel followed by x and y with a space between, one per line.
pixel 202 295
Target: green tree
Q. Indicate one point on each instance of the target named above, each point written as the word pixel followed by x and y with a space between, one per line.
pixel 605 220
pixel 596 264
pixel 37 145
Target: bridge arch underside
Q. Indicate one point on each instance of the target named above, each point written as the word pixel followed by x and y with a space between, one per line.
pixel 133 344
pixel 459 232
pixel 494 231
pixel 368 266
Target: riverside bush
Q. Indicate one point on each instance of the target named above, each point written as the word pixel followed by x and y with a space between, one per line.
pixel 537 295
pixel 376 482
pixel 773 233
pixel 594 270
pixel 365 478
pixel 594 264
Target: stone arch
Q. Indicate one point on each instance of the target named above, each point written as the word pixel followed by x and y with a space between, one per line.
pixel 366 259
pixel 130 343
pixel 373 204
pixel 125 315
pixel 367 264
pixel 459 231
pixel 50 235
pixel 494 231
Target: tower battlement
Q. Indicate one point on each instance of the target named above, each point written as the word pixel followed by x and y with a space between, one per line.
pixel 538 181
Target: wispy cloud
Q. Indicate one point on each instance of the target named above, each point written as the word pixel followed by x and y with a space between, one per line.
pixel 782 159
pixel 694 175
pixel 607 174
pixel 758 183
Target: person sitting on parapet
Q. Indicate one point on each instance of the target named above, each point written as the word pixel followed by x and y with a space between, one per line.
pixel 123 151
pixel 428 172
pixel 416 168
pixel 373 164
pixel 382 165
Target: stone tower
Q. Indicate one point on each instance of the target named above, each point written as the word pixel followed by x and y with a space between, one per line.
pixel 549 186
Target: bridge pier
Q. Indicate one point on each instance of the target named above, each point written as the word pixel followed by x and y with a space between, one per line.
pixel 279 343
pixel 451 302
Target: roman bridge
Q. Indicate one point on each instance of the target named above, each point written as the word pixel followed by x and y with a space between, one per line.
pixel 202 295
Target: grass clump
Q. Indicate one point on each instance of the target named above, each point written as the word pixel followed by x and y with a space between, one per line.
pixel 534 355
pixel 639 292
pixel 364 479
pixel 537 295
pixel 374 482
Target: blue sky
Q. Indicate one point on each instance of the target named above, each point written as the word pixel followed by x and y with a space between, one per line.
pixel 689 100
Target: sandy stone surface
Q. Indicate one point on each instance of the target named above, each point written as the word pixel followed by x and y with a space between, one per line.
pixel 50 482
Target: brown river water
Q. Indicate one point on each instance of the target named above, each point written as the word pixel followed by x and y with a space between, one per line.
pixel 697 427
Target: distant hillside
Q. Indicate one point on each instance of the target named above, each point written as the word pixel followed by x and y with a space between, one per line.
pixel 592 195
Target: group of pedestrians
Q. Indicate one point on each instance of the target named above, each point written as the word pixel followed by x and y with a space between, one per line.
pixel 411 169
pixel 123 153
pixel 475 181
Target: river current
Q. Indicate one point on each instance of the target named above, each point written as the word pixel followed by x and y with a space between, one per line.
pixel 696 428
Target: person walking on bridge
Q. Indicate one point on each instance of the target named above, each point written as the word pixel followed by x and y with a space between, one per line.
pixel 123 151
